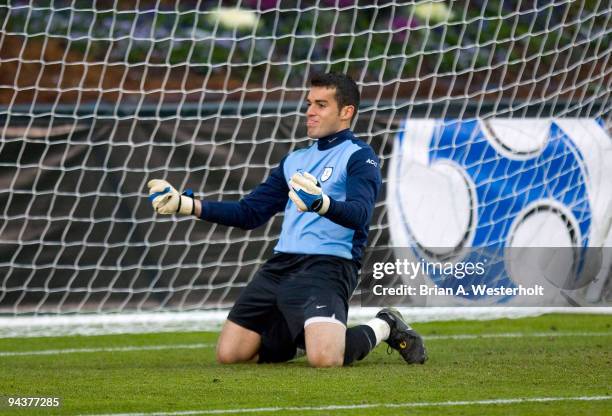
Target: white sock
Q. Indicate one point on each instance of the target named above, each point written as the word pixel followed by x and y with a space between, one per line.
pixel 381 329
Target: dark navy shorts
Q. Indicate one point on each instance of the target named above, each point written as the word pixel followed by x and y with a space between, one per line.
pixel 290 291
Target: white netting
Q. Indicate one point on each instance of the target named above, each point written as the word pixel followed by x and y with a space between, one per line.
pixel 95 100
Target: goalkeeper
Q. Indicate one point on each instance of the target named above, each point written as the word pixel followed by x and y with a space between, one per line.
pixel 299 297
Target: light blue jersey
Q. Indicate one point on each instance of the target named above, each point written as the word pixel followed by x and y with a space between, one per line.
pixel 308 232
pixel 347 171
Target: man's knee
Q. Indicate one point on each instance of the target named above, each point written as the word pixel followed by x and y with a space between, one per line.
pixel 325 357
pixel 325 343
pixel 225 357
pixel 237 344
pixel 231 356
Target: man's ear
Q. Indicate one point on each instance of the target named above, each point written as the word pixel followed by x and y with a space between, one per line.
pixel 347 112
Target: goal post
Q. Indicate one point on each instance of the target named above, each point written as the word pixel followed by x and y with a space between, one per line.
pixel 96 100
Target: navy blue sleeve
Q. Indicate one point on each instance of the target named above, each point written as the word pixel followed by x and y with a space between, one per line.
pixel 256 208
pixel 362 187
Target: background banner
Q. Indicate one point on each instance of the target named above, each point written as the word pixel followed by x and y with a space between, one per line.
pixel 506 184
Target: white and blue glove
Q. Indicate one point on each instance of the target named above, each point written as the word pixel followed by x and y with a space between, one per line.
pixel 167 200
pixel 306 193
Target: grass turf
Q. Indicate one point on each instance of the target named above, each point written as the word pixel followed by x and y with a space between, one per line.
pixel 551 364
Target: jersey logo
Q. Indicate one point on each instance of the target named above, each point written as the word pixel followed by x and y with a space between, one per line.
pixel 372 162
pixel 327 172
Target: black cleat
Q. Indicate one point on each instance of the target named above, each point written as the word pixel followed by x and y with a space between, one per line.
pixel 403 338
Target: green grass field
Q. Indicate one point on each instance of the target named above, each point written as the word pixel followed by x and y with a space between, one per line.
pixel 560 364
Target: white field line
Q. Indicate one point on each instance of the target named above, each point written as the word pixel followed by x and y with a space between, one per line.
pixel 369 406
pixel 108 349
pixel 519 335
pixel 212 345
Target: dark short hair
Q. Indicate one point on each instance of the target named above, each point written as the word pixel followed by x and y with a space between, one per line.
pixel 347 92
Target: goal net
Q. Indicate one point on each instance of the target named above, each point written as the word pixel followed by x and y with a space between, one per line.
pixel 96 100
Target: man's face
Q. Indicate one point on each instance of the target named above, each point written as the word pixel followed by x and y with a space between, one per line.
pixel 323 117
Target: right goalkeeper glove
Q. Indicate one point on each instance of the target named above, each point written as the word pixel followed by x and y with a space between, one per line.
pixel 167 200
pixel 306 193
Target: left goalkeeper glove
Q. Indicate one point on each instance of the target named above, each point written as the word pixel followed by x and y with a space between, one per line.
pixel 167 200
pixel 306 193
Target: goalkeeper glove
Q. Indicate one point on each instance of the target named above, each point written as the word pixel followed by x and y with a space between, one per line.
pixel 306 193
pixel 167 200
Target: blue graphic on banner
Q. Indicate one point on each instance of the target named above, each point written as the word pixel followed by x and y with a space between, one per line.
pixel 504 187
